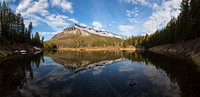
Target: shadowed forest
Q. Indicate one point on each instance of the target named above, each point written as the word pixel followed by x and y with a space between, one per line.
pixel 14 31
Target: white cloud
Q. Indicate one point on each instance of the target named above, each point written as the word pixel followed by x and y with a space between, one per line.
pixel 126 29
pixel 147 3
pixel 154 5
pixel 37 12
pixel 133 20
pixel 39 7
pixel 82 24
pixel 47 33
pixel 162 15
pixel 129 13
pixel 143 2
pixel 23 5
pixel 97 25
pixel 64 4
pixel 73 20
pixel 34 19
pixel 57 22
pixel 29 7
pixel 132 15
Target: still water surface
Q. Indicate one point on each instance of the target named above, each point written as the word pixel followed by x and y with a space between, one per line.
pixel 98 74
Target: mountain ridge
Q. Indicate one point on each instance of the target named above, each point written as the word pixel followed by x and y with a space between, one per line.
pixel 87 31
pixel 77 36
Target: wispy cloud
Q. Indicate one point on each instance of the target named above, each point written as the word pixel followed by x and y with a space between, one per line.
pixel 64 4
pixel 132 15
pixel 162 15
pixel 23 5
pixel 135 2
pixel 82 24
pixel 37 12
pixel 27 7
pixel 97 25
pixel 126 29
pixel 144 2
pixel 47 33
pixel 73 20
pixel 33 10
pixel 57 22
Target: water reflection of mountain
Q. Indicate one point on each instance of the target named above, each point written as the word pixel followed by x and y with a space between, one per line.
pixel 13 73
pixel 78 61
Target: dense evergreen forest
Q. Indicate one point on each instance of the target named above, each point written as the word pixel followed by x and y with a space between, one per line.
pixel 185 27
pixel 13 30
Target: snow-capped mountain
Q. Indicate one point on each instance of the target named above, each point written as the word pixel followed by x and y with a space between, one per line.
pixel 86 31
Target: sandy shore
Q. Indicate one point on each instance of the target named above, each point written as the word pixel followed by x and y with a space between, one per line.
pixel 98 49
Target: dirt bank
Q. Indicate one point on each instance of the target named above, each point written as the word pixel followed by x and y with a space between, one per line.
pixel 6 51
pixel 189 49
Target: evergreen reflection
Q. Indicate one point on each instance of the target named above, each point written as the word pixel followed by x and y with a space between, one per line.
pixel 13 72
pixel 182 71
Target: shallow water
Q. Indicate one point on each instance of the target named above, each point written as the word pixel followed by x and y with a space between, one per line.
pixel 98 74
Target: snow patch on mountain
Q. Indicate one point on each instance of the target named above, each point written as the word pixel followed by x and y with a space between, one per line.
pixel 94 31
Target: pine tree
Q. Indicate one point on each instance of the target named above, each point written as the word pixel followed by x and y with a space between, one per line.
pixel 195 18
pixel 30 28
pixel 37 37
pixel 184 20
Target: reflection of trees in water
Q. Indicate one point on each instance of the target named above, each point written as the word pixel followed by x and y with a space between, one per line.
pixel 178 70
pixel 13 73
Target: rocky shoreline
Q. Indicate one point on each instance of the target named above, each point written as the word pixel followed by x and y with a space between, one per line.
pixel 20 49
pixel 189 49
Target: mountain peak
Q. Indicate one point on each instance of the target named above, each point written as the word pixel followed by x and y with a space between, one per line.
pixel 80 36
pixel 93 31
pixel 76 25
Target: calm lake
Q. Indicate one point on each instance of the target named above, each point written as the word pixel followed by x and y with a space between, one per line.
pixel 98 74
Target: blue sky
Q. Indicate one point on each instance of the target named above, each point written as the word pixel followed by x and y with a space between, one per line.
pixel 124 17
